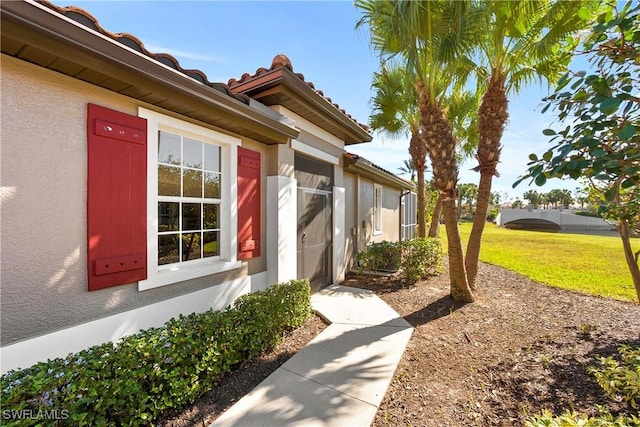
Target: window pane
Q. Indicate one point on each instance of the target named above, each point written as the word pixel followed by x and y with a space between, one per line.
pixel 192 151
pixel 211 214
pixel 191 216
pixel 168 180
pixel 211 185
pixel 192 183
pixel 168 249
pixel 191 246
pixel 168 148
pixel 211 158
pixel 168 216
pixel 210 244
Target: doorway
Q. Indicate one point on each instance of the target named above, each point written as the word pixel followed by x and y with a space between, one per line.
pixel 315 223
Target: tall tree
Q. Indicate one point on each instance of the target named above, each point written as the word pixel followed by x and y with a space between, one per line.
pixel 601 141
pixel 467 194
pixel 533 197
pixel 408 168
pixel 395 111
pixel 420 34
pixel 522 44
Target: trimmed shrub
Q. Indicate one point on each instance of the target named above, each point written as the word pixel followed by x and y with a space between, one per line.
pixel 416 259
pixel 421 258
pixel 385 256
pixel 133 381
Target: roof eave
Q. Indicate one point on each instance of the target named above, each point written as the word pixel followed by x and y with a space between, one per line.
pixel 365 168
pixel 283 80
pixel 44 29
pixel 357 134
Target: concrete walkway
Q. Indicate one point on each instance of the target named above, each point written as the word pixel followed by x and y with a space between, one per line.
pixel 340 377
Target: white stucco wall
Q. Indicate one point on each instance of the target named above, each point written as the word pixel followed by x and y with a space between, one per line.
pixel 43 212
pixel 390 213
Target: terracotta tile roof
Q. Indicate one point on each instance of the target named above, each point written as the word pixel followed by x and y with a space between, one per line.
pixel 85 18
pixel 282 61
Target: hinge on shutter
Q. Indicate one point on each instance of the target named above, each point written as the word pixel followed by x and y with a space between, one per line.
pixel 248 245
pixel 249 162
pixel 116 131
pixel 118 264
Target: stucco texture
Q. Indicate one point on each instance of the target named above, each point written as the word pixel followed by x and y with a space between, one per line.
pixel 43 222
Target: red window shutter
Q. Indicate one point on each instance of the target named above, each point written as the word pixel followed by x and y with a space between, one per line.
pixel 248 203
pixel 116 198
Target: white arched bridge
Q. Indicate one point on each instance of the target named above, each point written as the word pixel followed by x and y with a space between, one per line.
pixel 553 220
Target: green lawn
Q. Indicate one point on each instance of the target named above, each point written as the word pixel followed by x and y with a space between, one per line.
pixel 585 263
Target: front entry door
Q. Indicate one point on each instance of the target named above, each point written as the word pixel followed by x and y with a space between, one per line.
pixel 314 237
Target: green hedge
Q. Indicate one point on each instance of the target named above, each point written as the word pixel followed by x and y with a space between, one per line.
pixel 135 380
pixel 416 259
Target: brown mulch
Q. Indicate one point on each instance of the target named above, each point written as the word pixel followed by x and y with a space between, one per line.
pixel 520 348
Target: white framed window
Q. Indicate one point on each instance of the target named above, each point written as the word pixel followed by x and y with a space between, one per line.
pixel 377 209
pixel 191 201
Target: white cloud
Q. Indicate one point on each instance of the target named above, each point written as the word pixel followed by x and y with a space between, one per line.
pixel 196 56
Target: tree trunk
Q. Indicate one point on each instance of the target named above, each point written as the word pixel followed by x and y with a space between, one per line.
pixel 422 221
pixel 632 262
pixel 460 290
pixel 418 152
pixel 492 117
pixel 479 221
pixel 441 146
pixel 435 219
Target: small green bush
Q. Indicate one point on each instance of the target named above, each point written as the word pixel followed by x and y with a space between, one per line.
pixel 574 419
pixel 417 258
pixel 385 256
pixel 421 258
pixel 588 213
pixel 617 378
pixel 620 378
pixel 492 214
pixel 133 381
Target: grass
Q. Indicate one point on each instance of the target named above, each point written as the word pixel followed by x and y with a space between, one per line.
pixel 579 262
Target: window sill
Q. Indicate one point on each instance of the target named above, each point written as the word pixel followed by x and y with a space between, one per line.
pixel 182 273
pixel 377 232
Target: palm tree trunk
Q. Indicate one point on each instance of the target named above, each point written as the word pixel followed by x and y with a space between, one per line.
pixel 492 118
pixel 422 221
pixel 479 221
pixel 435 219
pixel 418 152
pixel 441 146
pixel 460 290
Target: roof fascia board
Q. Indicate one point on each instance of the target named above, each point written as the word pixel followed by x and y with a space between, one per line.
pixel 367 170
pixel 303 148
pixel 319 103
pixel 107 55
pixel 307 126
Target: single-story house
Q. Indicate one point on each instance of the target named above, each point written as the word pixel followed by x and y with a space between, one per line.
pixel 134 190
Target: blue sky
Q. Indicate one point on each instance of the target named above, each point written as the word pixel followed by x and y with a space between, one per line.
pixel 226 39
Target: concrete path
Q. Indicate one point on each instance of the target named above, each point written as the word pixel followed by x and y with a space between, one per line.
pixel 340 377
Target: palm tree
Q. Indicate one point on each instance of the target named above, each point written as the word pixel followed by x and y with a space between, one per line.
pixel 521 45
pixel 408 168
pixel 395 111
pixel 419 34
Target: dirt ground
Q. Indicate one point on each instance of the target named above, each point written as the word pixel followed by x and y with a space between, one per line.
pixel 520 348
